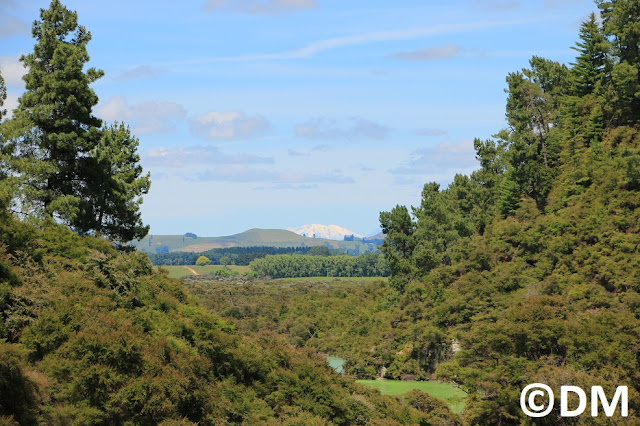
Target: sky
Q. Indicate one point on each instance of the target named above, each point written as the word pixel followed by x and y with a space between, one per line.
pixel 279 113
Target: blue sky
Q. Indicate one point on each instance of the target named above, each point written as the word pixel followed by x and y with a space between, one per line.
pixel 279 113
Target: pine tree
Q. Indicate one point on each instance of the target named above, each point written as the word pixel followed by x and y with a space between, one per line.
pixel 590 63
pixel 111 196
pixel 69 168
pixel 532 112
pixel 5 193
pixel 621 26
pixel 3 97
pixel 399 244
pixel 58 130
pixel 621 22
pixel 509 197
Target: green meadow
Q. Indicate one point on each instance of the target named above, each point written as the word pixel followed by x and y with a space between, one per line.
pixel 184 271
pixel 448 392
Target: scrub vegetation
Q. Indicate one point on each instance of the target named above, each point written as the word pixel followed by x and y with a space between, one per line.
pixel 526 271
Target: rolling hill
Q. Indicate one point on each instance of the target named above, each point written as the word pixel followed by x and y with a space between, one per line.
pixel 250 238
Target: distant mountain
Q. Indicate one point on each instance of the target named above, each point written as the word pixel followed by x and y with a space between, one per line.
pixel 378 237
pixel 251 238
pixel 329 232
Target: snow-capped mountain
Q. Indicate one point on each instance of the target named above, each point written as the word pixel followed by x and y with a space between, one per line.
pixel 330 232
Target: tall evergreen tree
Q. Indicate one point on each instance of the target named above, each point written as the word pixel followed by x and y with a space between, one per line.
pixel 5 196
pixel 3 97
pixel 621 26
pixel 399 244
pixel 532 112
pixel 590 63
pixel 112 196
pixel 70 169
pixel 58 130
pixel 621 22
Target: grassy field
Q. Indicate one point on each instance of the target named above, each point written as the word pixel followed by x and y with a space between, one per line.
pixel 445 391
pixel 183 271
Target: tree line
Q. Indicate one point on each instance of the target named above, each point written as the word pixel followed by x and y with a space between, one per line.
pixel 238 255
pixel 297 265
pixel 554 113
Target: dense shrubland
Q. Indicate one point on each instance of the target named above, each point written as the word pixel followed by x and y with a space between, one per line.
pixel 532 262
pixel 91 335
pixel 525 271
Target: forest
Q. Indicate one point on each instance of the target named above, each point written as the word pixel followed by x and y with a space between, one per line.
pixel 237 255
pixel 291 266
pixel 525 271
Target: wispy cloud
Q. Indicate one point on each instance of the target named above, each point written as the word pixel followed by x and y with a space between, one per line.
pixel 438 162
pixel 12 70
pixel 10 26
pixel 324 45
pixel 194 155
pixel 516 4
pixel 145 117
pixel 433 53
pixel 499 4
pixel 321 148
pixel 244 174
pixel 138 73
pixel 227 125
pixel 554 4
pixel 287 186
pixel 431 132
pixel 353 128
pixel 259 7
pixel 10 104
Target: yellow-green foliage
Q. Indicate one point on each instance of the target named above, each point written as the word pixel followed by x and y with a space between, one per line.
pixel 203 261
pixel 91 335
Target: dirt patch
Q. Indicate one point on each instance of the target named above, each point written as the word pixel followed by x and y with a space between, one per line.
pixel 190 270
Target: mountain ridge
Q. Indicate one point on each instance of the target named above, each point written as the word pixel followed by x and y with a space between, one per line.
pixel 249 238
pixel 329 232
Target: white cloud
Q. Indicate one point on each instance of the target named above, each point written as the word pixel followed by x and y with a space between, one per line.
pixel 12 71
pixel 353 128
pixel 430 53
pixel 10 104
pixel 144 117
pixel 188 156
pixel 438 163
pixel 314 48
pixel 10 26
pixel 288 186
pixel 227 125
pixel 241 173
pixel 431 132
pixel 499 4
pixel 259 7
pixel 138 73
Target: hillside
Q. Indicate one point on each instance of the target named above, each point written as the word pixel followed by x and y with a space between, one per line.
pixel 250 238
pixel 90 335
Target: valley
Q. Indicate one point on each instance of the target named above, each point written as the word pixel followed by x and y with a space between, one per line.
pixel 516 266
